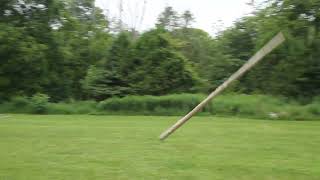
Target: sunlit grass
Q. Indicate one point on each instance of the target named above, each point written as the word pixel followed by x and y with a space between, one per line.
pixel 124 147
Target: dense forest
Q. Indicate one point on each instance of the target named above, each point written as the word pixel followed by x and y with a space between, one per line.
pixel 69 50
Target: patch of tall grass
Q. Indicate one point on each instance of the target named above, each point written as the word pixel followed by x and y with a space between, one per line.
pixel 241 105
pixel 255 106
pixel 39 104
pixel 152 105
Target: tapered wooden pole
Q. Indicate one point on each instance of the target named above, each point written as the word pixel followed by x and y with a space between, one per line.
pixel 272 44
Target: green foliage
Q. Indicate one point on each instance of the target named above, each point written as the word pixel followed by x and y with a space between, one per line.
pixel 39 103
pixel 241 105
pixel 152 105
pixel 159 68
pixel 254 106
pixel 91 82
pixel 110 79
pixel 64 49
pixel 249 105
pixel 20 101
pixel 168 19
pixel 77 107
pixel 47 46
pixel 36 104
pixel 293 69
pixel 21 68
pixel 314 107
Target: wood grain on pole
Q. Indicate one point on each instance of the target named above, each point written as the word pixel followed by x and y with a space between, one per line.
pixel 272 44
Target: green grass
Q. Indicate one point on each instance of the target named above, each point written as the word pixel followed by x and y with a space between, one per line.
pixel 123 147
pixel 227 105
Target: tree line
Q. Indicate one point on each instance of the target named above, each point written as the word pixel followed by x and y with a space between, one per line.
pixel 66 49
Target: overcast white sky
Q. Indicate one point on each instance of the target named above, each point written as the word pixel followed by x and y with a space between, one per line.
pixel 206 12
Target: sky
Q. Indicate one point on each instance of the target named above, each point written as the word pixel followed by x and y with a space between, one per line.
pixel 208 13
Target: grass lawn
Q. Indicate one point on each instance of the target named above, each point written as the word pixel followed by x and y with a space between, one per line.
pixel 123 147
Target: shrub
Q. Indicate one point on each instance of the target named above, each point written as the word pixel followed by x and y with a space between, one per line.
pixel 255 106
pixel 39 103
pixel 260 106
pixel 152 105
pixel 18 104
pixel 76 107
pixel 20 101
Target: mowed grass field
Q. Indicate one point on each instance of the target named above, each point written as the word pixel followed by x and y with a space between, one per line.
pixel 127 147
